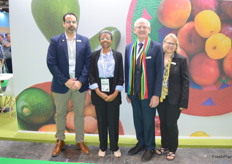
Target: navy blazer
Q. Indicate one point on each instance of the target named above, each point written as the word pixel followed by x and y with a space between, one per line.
pixel 118 78
pixel 58 62
pixel 178 82
pixel 154 66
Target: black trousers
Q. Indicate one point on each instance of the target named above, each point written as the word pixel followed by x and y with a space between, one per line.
pixel 108 121
pixel 169 114
pixel 9 65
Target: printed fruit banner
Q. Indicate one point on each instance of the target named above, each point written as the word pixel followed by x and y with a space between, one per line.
pixel 34 105
pixel 204 30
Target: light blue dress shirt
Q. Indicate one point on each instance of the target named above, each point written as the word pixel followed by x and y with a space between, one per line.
pixel 106 66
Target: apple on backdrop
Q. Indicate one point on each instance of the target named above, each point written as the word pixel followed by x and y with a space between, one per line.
pixel 200 5
pixel 174 13
pixel 226 9
pixel 182 52
pixel 204 70
pixel 190 41
pixel 226 29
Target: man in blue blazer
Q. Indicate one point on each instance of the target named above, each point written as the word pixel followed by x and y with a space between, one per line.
pixel 68 60
pixel 143 84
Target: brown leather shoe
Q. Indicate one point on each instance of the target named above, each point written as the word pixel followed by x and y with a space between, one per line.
pixel 57 150
pixel 83 147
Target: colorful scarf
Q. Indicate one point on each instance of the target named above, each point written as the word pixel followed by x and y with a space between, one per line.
pixel 143 94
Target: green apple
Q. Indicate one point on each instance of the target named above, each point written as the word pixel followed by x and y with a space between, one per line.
pixel 48 15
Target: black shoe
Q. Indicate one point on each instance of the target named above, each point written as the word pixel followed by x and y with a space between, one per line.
pixel 134 150
pixel 147 155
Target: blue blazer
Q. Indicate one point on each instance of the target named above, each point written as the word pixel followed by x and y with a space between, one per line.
pixel 154 65
pixel 58 64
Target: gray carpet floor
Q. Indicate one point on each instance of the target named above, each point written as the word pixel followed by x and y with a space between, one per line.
pixel 42 151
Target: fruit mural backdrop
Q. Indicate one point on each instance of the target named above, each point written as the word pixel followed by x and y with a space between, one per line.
pixel 203 27
pixel 35 106
pixel 204 30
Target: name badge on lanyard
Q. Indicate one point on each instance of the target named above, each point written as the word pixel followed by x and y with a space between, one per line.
pixel 105 85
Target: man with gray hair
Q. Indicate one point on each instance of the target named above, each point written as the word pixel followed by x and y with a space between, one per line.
pixel 143 83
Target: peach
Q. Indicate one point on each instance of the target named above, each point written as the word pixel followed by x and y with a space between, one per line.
pixel 70 120
pixel 204 70
pixel 89 110
pixel 174 13
pixel 190 41
pixel 70 106
pixel 207 23
pixel 88 98
pixel 217 46
pixel 227 64
pixel 90 124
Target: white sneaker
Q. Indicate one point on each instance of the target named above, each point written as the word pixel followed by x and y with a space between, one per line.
pixel 117 153
pixel 101 153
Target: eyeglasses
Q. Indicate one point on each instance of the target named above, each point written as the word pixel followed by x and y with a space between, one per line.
pixel 105 38
pixel 171 44
pixel 141 27
pixel 69 22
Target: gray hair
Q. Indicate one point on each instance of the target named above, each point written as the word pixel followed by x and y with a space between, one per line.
pixel 142 20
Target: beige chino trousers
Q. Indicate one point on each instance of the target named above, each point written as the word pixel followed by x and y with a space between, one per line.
pixel 61 102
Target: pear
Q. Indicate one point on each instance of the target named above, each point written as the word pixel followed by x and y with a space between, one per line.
pixel 48 15
pixel 94 41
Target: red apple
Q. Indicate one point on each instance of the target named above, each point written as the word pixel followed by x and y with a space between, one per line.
pixel 200 5
pixel 226 29
pixel 204 70
pixel 226 9
pixel 174 13
pixel 227 64
pixel 190 41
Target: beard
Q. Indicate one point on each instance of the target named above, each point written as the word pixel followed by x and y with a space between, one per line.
pixel 71 30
